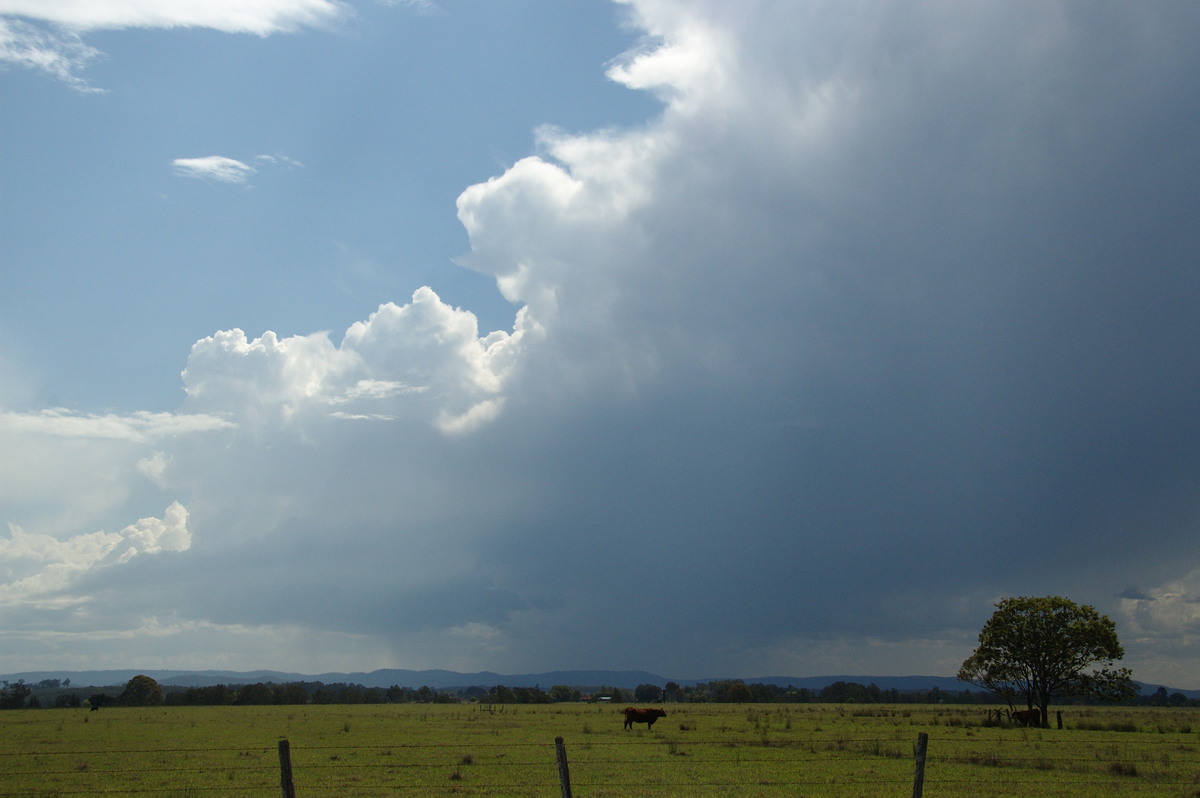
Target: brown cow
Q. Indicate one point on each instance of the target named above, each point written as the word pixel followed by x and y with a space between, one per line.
pixel 1028 717
pixel 648 716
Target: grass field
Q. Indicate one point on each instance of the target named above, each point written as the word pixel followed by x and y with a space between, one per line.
pixel 508 750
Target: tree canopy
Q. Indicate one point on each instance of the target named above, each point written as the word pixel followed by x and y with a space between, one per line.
pixel 647 692
pixel 1045 647
pixel 13 696
pixel 141 691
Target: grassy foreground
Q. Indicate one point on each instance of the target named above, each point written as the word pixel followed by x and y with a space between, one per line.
pixel 508 750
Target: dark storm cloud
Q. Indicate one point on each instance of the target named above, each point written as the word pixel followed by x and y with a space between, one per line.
pixel 890 314
pixel 952 274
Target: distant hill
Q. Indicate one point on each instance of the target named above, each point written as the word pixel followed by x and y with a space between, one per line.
pixel 901 683
pixel 442 679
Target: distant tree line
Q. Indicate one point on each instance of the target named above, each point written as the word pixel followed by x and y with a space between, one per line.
pixel 145 691
pixel 736 691
pixel 842 692
pixel 47 693
pixel 260 694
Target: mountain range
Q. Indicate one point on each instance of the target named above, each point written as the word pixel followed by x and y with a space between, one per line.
pixel 443 679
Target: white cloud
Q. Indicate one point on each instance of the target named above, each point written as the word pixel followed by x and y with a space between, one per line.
pixel 40 570
pixel 168 640
pixel 229 170
pixel 214 167
pixel 279 160
pixel 375 390
pixel 61 53
pixel 262 17
pixel 155 535
pixel 424 360
pixel 690 60
pixel 1160 628
pixel 62 472
pixel 154 468
pixel 420 6
pixel 139 427
pixel 54 46
pixel 1169 611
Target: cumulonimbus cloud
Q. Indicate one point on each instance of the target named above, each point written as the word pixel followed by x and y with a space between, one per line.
pixel 874 297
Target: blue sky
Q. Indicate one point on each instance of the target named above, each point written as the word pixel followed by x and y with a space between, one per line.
pixel 356 207
pixel 707 339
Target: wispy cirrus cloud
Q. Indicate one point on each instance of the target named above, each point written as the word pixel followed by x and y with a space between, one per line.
pixel 221 169
pixel 420 6
pixel 58 52
pixel 140 427
pixel 45 34
pixel 279 160
pixel 214 168
pixel 263 17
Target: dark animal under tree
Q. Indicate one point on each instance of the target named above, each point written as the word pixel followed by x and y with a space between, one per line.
pixel 1028 717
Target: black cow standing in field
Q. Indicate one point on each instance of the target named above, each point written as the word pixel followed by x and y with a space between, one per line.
pixel 1028 717
pixel 648 716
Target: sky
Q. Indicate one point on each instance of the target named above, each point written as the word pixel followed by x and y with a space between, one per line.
pixel 708 339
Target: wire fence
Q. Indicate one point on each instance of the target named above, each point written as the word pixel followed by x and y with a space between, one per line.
pixel 641 764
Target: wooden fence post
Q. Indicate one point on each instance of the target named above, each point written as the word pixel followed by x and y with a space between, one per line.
pixel 919 774
pixel 564 774
pixel 285 770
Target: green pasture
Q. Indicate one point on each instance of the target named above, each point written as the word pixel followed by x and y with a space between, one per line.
pixel 508 750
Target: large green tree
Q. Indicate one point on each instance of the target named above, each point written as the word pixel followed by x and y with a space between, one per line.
pixel 646 693
pixel 141 691
pixel 13 696
pixel 1045 647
